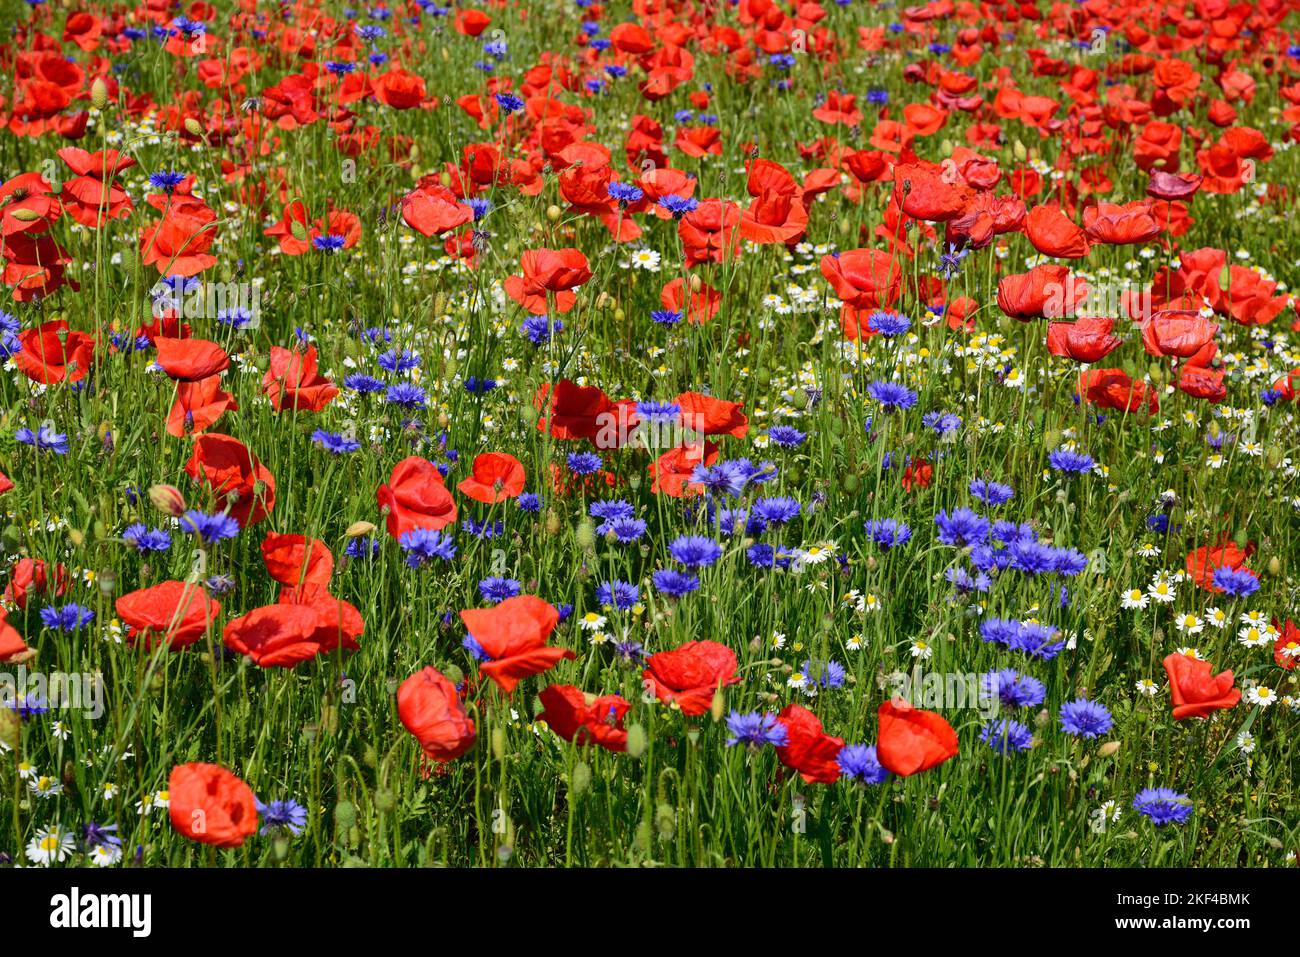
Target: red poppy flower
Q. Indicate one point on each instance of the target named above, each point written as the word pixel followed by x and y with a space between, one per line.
pixel 574 411
pixel 1202 563
pixel 553 271
pixel 35 266
pixel 777 214
pixel 1055 234
pixel 1177 332
pixel 1045 291
pixel 1286 650
pixel 1113 389
pixel 400 89
pixel 12 646
pixel 470 22
pixel 30 577
pixel 808 749
pixel 690 675
pixel 6 484
pixel 1173 186
pixel 1196 693
pixel 705 300
pixel 198 405
pixel 1117 225
pixel 430 708
pixel 839 108
pixel 338 624
pixel 51 352
pixel 917 475
pixel 712 416
pixel 292 382
pixel 92 198
pixel 928 192
pixel 275 636
pixel 1084 340
pixel 27 205
pixel 173 612
pixel 671 472
pixel 210 805
pixel 189 360
pixel 497 476
pixel 237 479
pixel 291 231
pixel 584 718
pixel 911 740
pixel 513 635
pixel 296 561
pixel 415 497
pixel 710 232
pixel 178 244
pixel 432 209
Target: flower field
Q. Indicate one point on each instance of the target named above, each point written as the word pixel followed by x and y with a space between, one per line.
pixel 656 433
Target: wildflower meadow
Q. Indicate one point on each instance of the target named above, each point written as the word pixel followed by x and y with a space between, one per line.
pixel 677 433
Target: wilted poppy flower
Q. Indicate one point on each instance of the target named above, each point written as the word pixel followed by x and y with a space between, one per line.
pixel 51 352
pixel 585 718
pixel 808 749
pixel 292 382
pixel 548 271
pixel 912 740
pixel 416 497
pixel 210 805
pixel 430 708
pixel 189 360
pixel 1195 691
pixel 239 481
pixel 497 476
pixel 275 636
pixel 690 674
pixel 513 635
pixel 176 612
pixel 296 561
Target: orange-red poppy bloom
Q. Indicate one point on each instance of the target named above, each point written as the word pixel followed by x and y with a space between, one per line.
pixel 415 496
pixel 430 708
pixel 1195 691
pixel 690 674
pixel 210 805
pixel 513 636
pixel 912 740
pixel 808 749
pixel 175 612
pixel 585 718
pixel 497 476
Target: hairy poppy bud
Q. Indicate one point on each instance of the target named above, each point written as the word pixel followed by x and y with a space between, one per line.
pixel 357 529
pixel 167 499
pixel 553 213
pixel 585 535
pixel 193 126
pixel 1107 749
pixel 385 801
pixel 636 741
pixel 345 815
pixel 25 215
pixel 99 93
pixel 580 779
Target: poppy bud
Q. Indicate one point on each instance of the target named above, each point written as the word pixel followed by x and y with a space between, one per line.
pixel 580 778
pixel 167 499
pixel 1274 566
pixel 636 741
pixel 193 127
pixel 499 743
pixel 1052 439
pixel 25 215
pixel 11 537
pixel 1107 749
pixel 385 801
pixel 107 580
pixel 552 523
pixel 718 706
pixel 665 821
pixel 1019 152
pixel 345 815
pixel 280 848
pixel 585 535
pixel 357 529
pixel 553 213
pixel 76 536
pixel 1274 456
pixel 99 93
pixel 620 315
pixel 10 728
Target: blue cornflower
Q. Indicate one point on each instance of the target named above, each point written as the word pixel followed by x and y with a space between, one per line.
pixel 398 362
pixel 497 590
pixel 44 438
pixel 722 478
pixel 1002 631
pixel 965 583
pixel 624 193
pixel 632 652
pixel 539 329
pixel 941 422
pixel 529 502
pixel 143 539
pixel 166 181
pixel 476 386
pixel 1071 463
pixel 877 96
pixel 859 762
pixel 424 544
pixel 888 532
pixel 509 102
pixel 1006 736
pixel 482 529
pixel 786 435
pixel 285 815
pixel 695 551
pixel 624 530
pixel 1032 557
pixel 1069 561
pixel 659 412
pixel 756 730
pixel 610 510
pixel 1163 806
pixel 1013 689
pixel 992 494
pixel 1036 640
pixel 620 595
pixel 211 528
pixel 365 384
pixel 673 583
pixel 962 527
pixel 1239 583
pixel 824 674
pixel 408 395
pixel 68 618
pixel 470 644
pixel 666 317
pixel 583 463
pixel 892 395
pixel 329 242
pixel 888 323
pixel 363 546
pixel 679 206
pixel 776 510
pixel 335 442
pixel 1085 718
